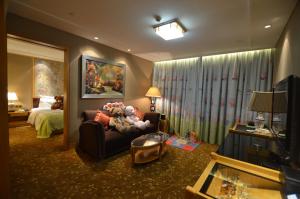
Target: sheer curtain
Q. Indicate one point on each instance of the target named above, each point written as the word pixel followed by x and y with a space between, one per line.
pixel 176 79
pixel 208 95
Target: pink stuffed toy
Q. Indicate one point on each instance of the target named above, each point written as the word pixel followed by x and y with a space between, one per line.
pixel 109 106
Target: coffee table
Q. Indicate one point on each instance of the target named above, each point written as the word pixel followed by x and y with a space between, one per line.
pixel 149 147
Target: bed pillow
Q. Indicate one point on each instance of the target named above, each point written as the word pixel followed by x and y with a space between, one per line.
pixel 102 118
pixel 140 114
pixel 46 101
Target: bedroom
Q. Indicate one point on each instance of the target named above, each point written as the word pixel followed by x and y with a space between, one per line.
pixel 35 83
pixel 122 32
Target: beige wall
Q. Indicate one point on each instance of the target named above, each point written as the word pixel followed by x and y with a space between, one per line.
pixel 288 48
pixel 20 77
pixel 138 70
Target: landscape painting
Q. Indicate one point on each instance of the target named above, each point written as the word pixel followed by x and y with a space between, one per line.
pixel 102 79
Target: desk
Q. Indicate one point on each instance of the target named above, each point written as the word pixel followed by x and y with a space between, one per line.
pixel 253 147
pixel 243 129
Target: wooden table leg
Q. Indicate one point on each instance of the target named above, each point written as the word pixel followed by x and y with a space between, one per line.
pixel 132 155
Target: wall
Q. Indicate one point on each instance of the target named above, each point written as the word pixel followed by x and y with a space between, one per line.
pixel 48 77
pixel 20 76
pixel 138 70
pixel 4 146
pixel 288 47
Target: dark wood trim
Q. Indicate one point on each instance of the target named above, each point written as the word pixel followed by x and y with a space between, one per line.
pixel 66 98
pixel 4 141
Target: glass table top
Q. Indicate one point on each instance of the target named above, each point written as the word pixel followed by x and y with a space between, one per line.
pixel 150 139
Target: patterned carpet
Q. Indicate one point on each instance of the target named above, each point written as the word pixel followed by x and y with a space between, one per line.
pixel 40 168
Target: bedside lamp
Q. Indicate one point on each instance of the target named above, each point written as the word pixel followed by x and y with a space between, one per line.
pixel 261 102
pixel 12 101
pixel 154 93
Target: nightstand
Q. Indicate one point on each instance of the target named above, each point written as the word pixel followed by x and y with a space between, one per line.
pixel 17 118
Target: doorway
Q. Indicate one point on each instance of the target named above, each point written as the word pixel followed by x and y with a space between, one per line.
pixel 38 87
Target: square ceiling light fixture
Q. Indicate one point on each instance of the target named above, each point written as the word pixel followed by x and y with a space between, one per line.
pixel 172 29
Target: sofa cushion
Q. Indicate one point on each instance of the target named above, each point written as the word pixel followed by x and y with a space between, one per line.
pixel 116 141
pixel 140 114
pixel 103 118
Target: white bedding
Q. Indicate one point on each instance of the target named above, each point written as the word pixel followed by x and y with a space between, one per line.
pixel 35 112
pixel 46 121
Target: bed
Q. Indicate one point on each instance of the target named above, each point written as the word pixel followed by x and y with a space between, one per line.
pixel 46 121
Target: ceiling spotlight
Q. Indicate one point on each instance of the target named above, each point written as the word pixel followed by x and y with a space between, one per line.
pixel 172 29
pixel 128 49
pixel 96 38
pixel 268 26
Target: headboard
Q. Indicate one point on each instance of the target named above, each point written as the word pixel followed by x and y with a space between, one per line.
pixel 35 102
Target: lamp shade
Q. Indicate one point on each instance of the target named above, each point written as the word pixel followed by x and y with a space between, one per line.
pixel 153 92
pixel 261 102
pixel 12 96
pixel 280 102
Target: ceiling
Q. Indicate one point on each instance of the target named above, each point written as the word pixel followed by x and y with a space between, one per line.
pixel 213 26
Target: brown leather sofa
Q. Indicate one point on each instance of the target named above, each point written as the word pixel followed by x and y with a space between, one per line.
pixel 101 143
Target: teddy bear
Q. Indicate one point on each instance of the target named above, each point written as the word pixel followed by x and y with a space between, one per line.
pixel 59 103
pixel 118 120
pixel 131 118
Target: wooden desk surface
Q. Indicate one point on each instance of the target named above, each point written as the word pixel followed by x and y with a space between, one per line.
pixel 266 134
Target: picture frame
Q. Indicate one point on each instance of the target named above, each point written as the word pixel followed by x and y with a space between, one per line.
pixel 102 78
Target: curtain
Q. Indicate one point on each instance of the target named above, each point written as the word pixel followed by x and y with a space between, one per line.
pixel 209 94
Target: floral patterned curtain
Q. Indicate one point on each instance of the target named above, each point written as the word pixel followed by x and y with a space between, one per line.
pixel 209 94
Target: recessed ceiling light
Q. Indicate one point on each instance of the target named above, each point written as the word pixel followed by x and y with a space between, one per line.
pixel 128 49
pixel 169 30
pixel 96 38
pixel 267 26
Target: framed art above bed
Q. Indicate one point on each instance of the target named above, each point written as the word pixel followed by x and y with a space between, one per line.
pixel 102 78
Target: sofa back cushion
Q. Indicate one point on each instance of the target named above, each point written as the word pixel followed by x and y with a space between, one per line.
pixel 103 118
pixel 140 114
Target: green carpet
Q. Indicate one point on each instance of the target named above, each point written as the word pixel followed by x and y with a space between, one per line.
pixel 40 168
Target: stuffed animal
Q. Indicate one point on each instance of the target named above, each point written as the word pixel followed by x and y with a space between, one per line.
pixel 118 120
pixel 131 118
pixel 59 103
pixel 109 106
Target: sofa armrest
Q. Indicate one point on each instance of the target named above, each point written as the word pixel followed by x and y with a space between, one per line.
pixel 154 118
pixel 88 115
pixel 92 138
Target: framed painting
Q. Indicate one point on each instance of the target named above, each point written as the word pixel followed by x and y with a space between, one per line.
pixel 102 78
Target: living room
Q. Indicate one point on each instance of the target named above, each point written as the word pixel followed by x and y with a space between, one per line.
pixel 258 43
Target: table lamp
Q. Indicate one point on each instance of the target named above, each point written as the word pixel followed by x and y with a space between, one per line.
pixel 154 93
pixel 279 106
pixel 261 102
pixel 12 101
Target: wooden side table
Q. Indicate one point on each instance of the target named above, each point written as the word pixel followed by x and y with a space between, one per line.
pixel 164 125
pixel 17 118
